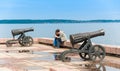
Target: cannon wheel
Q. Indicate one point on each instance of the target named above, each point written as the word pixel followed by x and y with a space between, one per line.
pixel 84 55
pixel 21 41
pixel 27 41
pixel 96 67
pixel 97 52
pixel 100 67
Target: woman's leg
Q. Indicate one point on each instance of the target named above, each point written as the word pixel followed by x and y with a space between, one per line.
pixel 58 42
pixel 55 42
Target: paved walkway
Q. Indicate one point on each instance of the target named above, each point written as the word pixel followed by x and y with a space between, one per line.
pixel 41 58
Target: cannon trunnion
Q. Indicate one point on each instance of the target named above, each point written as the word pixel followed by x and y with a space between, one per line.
pixel 86 51
pixel 22 39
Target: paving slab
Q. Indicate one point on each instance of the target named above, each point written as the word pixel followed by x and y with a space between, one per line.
pixel 40 57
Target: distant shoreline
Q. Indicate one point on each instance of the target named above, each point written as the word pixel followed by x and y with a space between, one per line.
pixel 23 21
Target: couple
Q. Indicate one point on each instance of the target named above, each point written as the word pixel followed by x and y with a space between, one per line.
pixel 60 38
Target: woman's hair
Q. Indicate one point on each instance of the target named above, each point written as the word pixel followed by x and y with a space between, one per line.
pixel 57 30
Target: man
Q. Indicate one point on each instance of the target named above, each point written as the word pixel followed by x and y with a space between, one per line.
pixel 60 38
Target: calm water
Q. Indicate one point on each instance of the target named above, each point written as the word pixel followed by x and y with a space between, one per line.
pixel 112 34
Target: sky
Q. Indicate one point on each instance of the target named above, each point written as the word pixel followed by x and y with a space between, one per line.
pixel 60 9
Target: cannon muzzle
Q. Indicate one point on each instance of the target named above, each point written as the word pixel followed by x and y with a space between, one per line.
pixel 80 37
pixel 21 31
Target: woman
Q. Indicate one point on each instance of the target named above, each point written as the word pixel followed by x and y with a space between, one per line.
pixel 60 38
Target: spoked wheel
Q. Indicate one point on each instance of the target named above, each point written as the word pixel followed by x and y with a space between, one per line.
pixel 97 52
pixel 84 55
pixel 97 67
pixel 21 41
pixel 27 41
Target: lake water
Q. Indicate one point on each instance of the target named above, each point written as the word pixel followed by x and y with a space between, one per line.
pixel 112 30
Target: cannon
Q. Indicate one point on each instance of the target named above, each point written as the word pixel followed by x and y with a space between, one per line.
pixel 80 37
pixel 22 39
pixel 86 51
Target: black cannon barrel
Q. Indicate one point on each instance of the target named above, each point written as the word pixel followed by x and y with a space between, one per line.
pixel 80 37
pixel 21 31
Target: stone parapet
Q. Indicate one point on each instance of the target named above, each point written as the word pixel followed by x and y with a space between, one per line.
pixel 112 49
pixel 3 40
